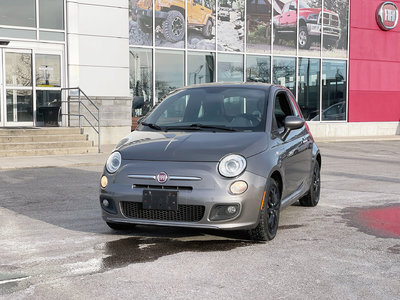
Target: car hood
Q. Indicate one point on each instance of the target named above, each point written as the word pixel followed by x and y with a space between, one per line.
pixel 190 146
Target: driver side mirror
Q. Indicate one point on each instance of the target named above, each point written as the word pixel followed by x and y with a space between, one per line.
pixel 291 123
pixel 292 7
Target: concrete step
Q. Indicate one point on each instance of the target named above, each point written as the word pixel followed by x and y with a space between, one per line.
pixel 42 138
pixel 39 131
pixel 45 145
pixel 44 152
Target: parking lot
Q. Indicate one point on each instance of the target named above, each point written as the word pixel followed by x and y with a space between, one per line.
pixel 54 244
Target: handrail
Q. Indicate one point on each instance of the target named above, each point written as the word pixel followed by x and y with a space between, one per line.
pixel 80 115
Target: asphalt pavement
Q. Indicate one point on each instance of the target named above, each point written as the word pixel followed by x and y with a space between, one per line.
pixel 54 244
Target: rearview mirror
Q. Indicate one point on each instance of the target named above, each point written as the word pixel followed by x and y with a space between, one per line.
pixel 292 123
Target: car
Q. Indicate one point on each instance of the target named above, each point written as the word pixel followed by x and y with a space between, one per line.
pixel 335 112
pixel 224 15
pixel 221 156
pixel 309 20
pixel 170 16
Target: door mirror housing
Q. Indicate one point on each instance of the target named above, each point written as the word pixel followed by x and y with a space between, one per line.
pixel 291 123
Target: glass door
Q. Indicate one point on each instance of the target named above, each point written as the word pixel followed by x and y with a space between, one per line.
pixel 17 88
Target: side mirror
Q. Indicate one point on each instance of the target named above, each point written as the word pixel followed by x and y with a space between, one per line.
pixel 292 7
pixel 291 123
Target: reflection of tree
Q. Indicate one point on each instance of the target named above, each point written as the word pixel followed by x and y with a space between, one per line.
pixel 341 8
pixel 19 68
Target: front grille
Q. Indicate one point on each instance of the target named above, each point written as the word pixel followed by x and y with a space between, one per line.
pixel 162 187
pixel 331 20
pixel 185 213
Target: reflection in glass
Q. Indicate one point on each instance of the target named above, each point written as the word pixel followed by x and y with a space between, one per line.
pixel 309 88
pixel 285 27
pixel 170 23
pixel 141 22
pixel 46 99
pixel 201 24
pixel 309 38
pixel 18 33
pixel 19 106
pixel 230 25
pixel 48 70
pixel 18 69
pixel 284 72
pixel 18 13
pixel 200 67
pixel 169 71
pixel 230 68
pixel 141 80
pixel 335 29
pixel 51 36
pixel 334 83
pixel 51 14
pixel 258 26
pixel 258 68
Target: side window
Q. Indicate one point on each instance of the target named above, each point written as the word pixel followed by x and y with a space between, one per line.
pixel 282 109
pixel 197 1
pixel 207 4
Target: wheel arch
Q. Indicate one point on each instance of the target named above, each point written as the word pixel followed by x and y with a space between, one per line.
pixel 276 175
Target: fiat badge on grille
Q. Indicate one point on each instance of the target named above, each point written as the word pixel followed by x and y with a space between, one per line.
pixel 162 177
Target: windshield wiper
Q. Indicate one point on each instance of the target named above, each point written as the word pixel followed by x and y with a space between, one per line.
pixel 196 126
pixel 151 125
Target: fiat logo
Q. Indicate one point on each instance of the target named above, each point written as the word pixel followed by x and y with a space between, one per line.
pixel 387 15
pixel 162 177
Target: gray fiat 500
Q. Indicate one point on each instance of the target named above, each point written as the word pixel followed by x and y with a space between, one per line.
pixel 223 156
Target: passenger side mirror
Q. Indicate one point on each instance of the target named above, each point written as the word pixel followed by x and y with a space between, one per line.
pixel 291 123
pixel 292 7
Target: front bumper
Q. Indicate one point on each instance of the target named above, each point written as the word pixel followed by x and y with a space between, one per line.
pixel 211 190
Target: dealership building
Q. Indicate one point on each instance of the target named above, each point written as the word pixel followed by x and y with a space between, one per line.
pixel 340 58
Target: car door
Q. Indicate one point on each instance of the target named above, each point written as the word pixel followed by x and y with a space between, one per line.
pixel 291 150
pixel 195 11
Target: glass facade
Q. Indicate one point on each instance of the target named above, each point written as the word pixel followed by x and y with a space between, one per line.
pixel 23 19
pixel 299 44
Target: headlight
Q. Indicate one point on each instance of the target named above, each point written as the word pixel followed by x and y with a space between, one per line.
pixel 232 165
pixel 113 162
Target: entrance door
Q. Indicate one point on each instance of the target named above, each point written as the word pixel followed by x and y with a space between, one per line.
pixel 16 88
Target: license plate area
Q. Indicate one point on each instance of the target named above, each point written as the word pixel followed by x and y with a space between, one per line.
pixel 161 200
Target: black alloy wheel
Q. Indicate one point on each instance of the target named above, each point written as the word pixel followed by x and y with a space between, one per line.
pixel 173 27
pixel 269 216
pixel 312 197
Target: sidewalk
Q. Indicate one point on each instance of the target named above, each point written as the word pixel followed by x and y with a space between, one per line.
pixel 21 162
pixel 99 159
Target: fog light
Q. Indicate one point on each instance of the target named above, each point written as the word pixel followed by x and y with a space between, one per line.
pixel 106 203
pixel 238 187
pixel 231 210
pixel 222 212
pixel 104 181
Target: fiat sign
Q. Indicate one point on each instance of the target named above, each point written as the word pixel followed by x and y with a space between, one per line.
pixel 387 15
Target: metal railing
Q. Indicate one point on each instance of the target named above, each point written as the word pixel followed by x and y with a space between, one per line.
pixel 79 114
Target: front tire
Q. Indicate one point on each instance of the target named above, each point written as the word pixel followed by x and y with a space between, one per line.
pixel 207 29
pixel 312 197
pixel 173 27
pixel 120 226
pixel 269 215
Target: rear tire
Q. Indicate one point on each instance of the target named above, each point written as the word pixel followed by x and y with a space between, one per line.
pixel 312 197
pixel 304 38
pixel 120 226
pixel 173 27
pixel 269 215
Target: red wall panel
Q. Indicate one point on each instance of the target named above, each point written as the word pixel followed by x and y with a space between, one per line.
pixel 374 70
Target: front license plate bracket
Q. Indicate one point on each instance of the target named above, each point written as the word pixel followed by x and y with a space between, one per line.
pixel 161 200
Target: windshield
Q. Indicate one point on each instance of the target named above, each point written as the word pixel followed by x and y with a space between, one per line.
pixel 211 108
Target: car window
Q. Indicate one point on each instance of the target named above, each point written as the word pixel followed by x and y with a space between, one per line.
pixel 285 8
pixel 282 109
pixel 243 109
pixel 197 1
pixel 207 4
